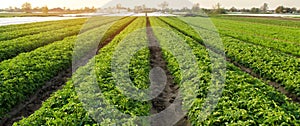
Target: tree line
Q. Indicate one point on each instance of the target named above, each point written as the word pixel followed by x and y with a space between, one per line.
pixel 27 8
pixel 216 9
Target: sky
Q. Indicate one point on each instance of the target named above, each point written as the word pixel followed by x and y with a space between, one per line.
pixel 173 3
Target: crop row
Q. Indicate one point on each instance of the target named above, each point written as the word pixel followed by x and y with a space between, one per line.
pixel 24 74
pixel 277 32
pixel 244 101
pixel 11 34
pixel 66 107
pixel 30 25
pixel 246 34
pixel 268 21
pixel 269 64
pixel 12 48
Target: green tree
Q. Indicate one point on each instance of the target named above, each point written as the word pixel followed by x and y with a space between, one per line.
pixel 264 8
pixel 26 7
pixel 294 10
pixel 254 10
pixel 233 9
pixel 279 9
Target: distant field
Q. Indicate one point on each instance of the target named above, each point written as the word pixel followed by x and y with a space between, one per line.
pixel 262 85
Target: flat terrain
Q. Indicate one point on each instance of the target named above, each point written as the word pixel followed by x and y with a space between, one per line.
pixel 93 71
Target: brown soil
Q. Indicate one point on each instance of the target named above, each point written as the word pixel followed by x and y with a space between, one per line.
pixel 168 95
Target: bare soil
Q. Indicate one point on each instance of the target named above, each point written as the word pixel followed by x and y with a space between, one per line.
pixel 168 95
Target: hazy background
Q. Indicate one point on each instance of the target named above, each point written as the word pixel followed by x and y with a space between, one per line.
pixel 173 3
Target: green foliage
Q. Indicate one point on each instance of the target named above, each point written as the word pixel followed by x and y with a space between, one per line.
pixel 270 64
pixel 12 34
pixel 64 107
pixel 23 75
pixel 12 48
pixel 245 100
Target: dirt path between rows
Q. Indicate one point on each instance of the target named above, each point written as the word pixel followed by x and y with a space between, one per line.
pixel 169 93
pixel 250 71
pixel 34 102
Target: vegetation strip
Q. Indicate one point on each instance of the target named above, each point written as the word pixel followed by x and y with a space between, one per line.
pixel 231 29
pixel 8 35
pixel 63 61
pixel 276 85
pixel 284 40
pixel 35 101
pixel 269 21
pixel 64 107
pixel 12 48
pixel 238 104
pixel 250 71
pixel 113 32
pixel 170 91
pixel 29 25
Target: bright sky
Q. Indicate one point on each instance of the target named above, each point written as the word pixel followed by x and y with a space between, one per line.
pixel 99 3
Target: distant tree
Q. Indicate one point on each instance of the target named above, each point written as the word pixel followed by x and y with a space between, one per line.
pixel 184 9
pixel 171 11
pixel 128 9
pixel 254 10
pixel 119 6
pixel 10 9
pixel 45 10
pixel 58 9
pixel 245 10
pixel 279 9
pixel 144 7
pixel 233 9
pixel 218 10
pixel 264 8
pixel 196 7
pixel 287 10
pixel 163 5
pixel 36 9
pixel 26 7
pixel 294 10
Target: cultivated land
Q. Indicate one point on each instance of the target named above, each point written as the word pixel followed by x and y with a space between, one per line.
pixel 261 58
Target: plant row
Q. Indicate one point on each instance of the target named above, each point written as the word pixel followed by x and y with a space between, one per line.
pixel 11 34
pixel 92 94
pixel 244 100
pixel 31 25
pixel 269 64
pixel 259 38
pixel 277 32
pixel 268 21
pixel 246 33
pixel 12 48
pixel 24 74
